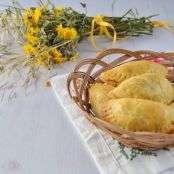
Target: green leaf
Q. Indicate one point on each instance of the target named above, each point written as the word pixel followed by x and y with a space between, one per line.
pixel 1 67
pixel 83 4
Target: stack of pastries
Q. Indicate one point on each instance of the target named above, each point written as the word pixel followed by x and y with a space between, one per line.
pixel 135 96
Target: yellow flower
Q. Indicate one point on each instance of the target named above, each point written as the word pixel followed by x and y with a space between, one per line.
pixel 28 17
pixel 46 55
pixel 29 49
pixel 31 16
pixel 74 56
pixel 66 33
pixel 34 30
pixel 56 53
pixel 40 61
pixel 32 39
pixel 70 34
pixel 58 11
pixel 43 59
pixel 60 59
pixel 36 15
pixel 60 29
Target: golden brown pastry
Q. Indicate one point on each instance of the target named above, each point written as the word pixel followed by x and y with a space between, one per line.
pixel 152 86
pixel 172 105
pixel 98 93
pixel 130 69
pixel 139 115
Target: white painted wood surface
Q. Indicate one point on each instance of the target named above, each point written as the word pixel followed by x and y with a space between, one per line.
pixel 36 137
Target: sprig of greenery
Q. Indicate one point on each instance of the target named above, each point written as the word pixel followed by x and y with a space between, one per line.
pixel 132 153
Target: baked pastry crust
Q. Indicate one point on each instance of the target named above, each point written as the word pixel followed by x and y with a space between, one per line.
pixel 98 93
pixel 139 115
pixel 172 104
pixel 120 73
pixel 152 86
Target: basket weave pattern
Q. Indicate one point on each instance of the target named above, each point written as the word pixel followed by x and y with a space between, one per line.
pixel 79 81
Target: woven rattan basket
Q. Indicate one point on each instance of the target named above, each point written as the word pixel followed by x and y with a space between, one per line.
pixel 87 72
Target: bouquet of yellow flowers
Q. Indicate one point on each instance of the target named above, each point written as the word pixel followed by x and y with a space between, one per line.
pixel 52 34
pixel 49 35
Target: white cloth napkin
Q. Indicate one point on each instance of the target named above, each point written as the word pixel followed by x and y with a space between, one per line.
pixel 103 148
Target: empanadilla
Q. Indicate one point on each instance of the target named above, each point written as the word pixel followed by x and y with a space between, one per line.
pixel 152 86
pixel 98 93
pixel 139 115
pixel 172 104
pixel 120 73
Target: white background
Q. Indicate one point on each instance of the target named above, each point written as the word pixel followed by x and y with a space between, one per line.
pixel 36 137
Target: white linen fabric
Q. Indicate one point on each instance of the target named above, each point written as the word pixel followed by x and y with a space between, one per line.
pixel 103 149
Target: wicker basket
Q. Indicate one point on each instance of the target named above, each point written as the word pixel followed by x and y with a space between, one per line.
pixel 79 81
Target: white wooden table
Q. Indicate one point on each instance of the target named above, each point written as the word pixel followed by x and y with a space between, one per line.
pixel 36 137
